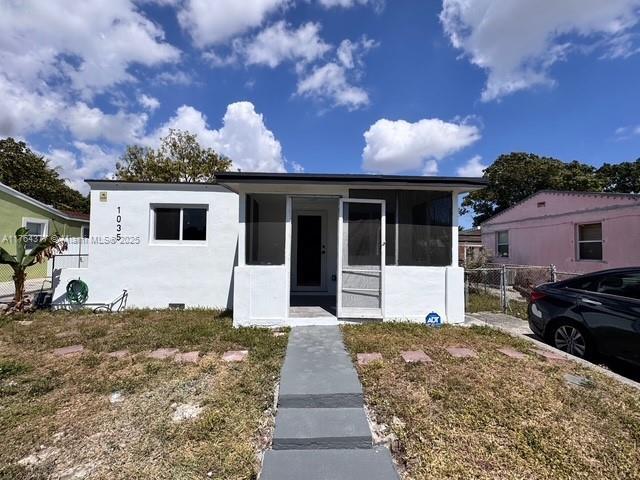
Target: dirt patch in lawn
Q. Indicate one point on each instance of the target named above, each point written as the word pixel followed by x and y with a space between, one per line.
pixel 493 416
pixel 92 415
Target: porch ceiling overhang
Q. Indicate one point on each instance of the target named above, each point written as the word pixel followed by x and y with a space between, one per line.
pixel 245 180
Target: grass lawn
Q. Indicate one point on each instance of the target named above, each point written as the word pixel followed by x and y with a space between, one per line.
pixel 494 416
pixel 60 407
pixel 485 302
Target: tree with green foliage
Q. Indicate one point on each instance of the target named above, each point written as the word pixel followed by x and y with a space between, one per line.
pixel 515 176
pixel 30 173
pixel 45 249
pixel 620 177
pixel 179 158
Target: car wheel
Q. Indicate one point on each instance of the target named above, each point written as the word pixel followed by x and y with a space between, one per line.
pixel 572 339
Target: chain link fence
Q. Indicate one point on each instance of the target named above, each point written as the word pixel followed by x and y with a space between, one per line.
pixel 506 288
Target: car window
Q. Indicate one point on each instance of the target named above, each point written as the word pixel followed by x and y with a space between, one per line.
pixel 620 284
pixel 589 284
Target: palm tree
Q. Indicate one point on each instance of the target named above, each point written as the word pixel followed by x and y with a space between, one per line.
pixel 43 251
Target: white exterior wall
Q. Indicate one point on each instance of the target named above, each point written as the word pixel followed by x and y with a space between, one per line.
pixel 154 273
pixel 202 274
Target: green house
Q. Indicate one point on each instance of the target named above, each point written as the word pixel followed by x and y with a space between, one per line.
pixel 19 210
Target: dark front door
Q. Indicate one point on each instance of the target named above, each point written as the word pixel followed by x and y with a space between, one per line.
pixel 309 251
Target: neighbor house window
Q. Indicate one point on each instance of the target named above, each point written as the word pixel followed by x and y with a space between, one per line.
pixel 503 243
pixel 37 231
pixel 84 231
pixel 265 229
pixel 590 241
pixel 180 223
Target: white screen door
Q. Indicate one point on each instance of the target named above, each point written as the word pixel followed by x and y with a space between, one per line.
pixel 361 256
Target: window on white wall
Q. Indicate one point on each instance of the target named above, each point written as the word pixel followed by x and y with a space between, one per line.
pixel 590 241
pixel 180 223
pixel 37 231
pixel 503 243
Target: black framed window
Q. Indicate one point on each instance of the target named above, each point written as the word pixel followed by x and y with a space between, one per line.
pixel 265 229
pixel 418 225
pixel 180 223
pixel 194 224
pixel 424 228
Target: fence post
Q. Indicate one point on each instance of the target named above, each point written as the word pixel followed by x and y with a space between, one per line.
pixel 554 273
pixel 503 288
pixel 466 291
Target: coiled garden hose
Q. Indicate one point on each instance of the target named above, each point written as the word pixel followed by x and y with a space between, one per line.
pixel 77 292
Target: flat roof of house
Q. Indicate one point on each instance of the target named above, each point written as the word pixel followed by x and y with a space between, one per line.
pixel 332 178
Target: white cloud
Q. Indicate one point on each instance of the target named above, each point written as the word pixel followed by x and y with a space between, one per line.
pixel 88 161
pixel 279 43
pixel 148 102
pixel 377 4
pixel 516 42
pixel 243 137
pixel 89 45
pixel 333 81
pixel 87 123
pixel 23 111
pixel 400 146
pixel 624 133
pixel 173 78
pixel 473 168
pixel 330 82
pixel 210 23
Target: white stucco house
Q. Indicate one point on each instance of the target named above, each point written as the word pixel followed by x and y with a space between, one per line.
pixel 280 249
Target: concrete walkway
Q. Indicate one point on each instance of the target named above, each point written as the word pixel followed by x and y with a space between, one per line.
pixel 321 428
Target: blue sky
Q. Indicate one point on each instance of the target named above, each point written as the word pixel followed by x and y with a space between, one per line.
pixel 405 86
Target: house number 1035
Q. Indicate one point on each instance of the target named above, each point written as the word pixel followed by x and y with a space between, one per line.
pixel 118 225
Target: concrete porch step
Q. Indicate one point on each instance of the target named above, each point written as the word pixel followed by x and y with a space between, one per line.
pixel 321 428
pixel 371 464
pixel 318 372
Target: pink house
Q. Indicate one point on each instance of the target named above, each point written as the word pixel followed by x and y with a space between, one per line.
pixel 575 231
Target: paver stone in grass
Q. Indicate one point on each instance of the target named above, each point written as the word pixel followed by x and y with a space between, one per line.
pixel 367 358
pixel 188 357
pixel 512 353
pixel 461 352
pixel 186 411
pixel 577 380
pixel 549 355
pixel 163 353
pixel 415 356
pixel 70 350
pixel 25 323
pixel 235 355
pixel 119 354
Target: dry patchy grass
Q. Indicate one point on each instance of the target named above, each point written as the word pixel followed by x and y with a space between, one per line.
pixel 493 416
pixel 63 403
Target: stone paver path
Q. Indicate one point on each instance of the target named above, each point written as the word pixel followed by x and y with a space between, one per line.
pixel 188 357
pixel 235 355
pixel 367 358
pixel 162 353
pixel 321 429
pixel 550 355
pixel 415 356
pixel 510 352
pixel 70 350
pixel 461 352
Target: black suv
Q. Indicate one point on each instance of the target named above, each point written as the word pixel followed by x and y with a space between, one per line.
pixel 593 313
